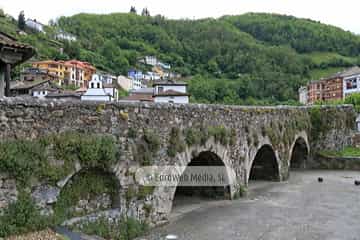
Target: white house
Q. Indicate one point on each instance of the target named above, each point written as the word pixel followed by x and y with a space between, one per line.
pixel 107 78
pixel 61 35
pixel 111 90
pixel 351 81
pixel 96 92
pixel 124 82
pixel 303 95
pixel 170 92
pixel 35 25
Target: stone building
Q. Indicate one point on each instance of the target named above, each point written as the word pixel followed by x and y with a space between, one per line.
pixel 12 53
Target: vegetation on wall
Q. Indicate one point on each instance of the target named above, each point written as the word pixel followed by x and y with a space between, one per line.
pixel 125 229
pixel 176 143
pixel 85 185
pixel 146 148
pixel 27 160
pixel 324 119
pixel 22 216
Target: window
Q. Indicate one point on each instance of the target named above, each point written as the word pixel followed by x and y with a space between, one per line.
pixel 351 83
pixel 92 85
pixel 98 85
pixel 160 89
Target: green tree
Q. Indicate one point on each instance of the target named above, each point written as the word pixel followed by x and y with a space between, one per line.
pixel 21 20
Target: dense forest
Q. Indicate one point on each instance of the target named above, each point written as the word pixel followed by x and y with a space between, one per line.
pixel 247 59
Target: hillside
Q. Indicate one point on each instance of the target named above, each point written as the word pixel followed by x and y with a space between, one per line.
pixel 234 59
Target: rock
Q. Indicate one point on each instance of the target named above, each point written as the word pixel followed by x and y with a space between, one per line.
pixel 357 183
pixel 46 195
pixel 320 179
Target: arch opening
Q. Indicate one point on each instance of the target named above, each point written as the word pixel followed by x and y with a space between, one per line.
pixel 299 155
pixel 265 166
pixel 87 192
pixel 185 195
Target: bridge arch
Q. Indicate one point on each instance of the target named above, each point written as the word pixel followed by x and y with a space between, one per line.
pixel 264 165
pixel 87 191
pixel 299 152
pixel 212 154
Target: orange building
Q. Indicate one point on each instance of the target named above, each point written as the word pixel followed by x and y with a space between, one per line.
pixel 325 89
pixel 71 72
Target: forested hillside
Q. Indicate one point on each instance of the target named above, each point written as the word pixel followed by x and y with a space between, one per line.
pixel 243 59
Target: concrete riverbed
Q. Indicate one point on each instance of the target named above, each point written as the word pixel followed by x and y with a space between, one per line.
pixel 301 209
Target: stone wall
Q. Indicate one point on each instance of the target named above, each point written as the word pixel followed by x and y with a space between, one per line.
pixel 144 132
pixel 335 163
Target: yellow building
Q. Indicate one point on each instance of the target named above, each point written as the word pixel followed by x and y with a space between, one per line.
pixel 54 67
pixel 71 72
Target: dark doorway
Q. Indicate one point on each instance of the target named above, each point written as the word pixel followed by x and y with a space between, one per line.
pixel 299 154
pixel 191 194
pixel 265 166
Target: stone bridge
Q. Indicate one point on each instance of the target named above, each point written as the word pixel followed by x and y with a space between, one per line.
pixel 254 142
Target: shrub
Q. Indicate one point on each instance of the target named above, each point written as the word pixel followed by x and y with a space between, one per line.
pixel 86 185
pixel 125 229
pixel 22 217
pixel 220 134
pixel 192 137
pixel 146 148
pixel 176 144
pixel 23 159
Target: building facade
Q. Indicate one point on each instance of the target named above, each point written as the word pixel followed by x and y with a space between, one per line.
pixel 303 95
pixel 335 87
pixel 171 92
pixel 124 83
pixel 71 72
pixel 351 84
pixel 35 25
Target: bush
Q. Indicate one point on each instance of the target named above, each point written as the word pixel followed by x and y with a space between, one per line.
pixel 176 144
pixel 125 229
pixel 86 185
pixel 22 217
pixel 146 148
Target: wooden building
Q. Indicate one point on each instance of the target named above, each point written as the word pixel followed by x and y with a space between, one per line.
pixel 12 53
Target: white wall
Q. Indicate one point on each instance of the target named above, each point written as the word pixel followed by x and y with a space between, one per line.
pixel 95 98
pixel 349 91
pixel 176 88
pixel 174 99
pixel 40 94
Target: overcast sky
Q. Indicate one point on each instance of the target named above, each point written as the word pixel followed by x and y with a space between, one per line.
pixel 344 13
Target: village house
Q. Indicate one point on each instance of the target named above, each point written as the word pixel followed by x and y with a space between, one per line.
pixel 35 82
pixel 35 25
pixel 139 95
pixel 29 74
pixel 12 53
pixel 351 83
pixel 61 35
pixel 136 79
pixel 71 72
pixel 335 87
pixel 107 78
pixel 171 92
pixel 124 82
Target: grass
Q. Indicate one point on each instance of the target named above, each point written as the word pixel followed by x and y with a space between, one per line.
pixel 345 152
pixel 323 73
pixel 328 57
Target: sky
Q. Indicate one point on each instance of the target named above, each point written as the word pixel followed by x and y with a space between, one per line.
pixel 344 13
